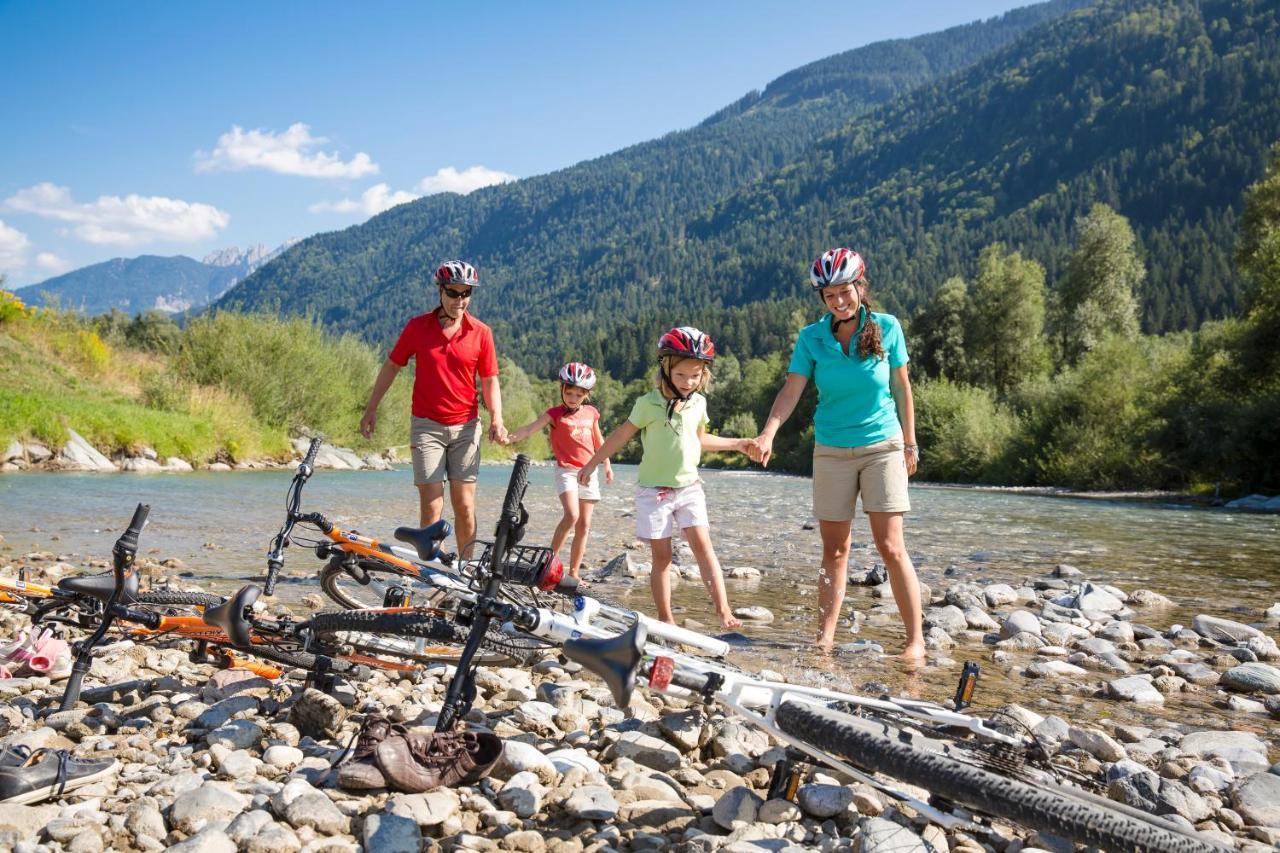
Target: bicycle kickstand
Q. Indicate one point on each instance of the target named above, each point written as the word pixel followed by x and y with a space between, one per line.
pixel 321 678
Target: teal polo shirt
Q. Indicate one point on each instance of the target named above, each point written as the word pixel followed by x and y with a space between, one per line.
pixel 855 407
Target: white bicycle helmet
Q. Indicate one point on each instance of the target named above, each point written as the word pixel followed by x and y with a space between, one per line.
pixel 578 375
pixel 837 266
pixel 457 272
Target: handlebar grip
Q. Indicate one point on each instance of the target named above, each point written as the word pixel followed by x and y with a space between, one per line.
pixel 314 449
pixel 128 541
pixel 273 572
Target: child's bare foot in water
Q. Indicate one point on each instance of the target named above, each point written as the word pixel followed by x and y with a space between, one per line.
pixel 728 621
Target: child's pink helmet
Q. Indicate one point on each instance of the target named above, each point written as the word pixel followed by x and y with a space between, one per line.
pixel 687 342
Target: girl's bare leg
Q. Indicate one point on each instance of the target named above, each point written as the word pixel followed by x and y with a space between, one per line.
pixel 699 539
pixel 831 580
pixel 886 529
pixel 580 531
pixel 568 500
pixel 660 578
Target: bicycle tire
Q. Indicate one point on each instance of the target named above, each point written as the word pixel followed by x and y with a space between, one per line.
pixel 178 598
pixel 306 660
pixel 1047 807
pixel 411 625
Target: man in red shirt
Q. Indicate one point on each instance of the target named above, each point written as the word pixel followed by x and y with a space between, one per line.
pixel 452 349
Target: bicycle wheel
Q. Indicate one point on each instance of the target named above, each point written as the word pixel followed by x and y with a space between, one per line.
pixel 379 579
pixel 400 632
pixel 878 747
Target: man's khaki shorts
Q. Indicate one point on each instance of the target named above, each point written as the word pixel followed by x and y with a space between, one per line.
pixel 443 452
pixel 877 471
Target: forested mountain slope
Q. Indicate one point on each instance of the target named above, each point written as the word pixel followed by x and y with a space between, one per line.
pixel 551 245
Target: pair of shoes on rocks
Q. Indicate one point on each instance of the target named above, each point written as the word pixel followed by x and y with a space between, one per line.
pixel 29 776
pixel 35 652
pixel 387 755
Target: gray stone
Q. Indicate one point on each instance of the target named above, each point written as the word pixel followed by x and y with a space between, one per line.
pixel 778 811
pixel 1098 599
pixel 647 750
pixel 317 714
pixel 949 618
pixel 1196 672
pixel 432 808
pixel 592 802
pixel 522 794
pixel 999 594
pixel 1222 630
pixel 518 757
pixel 1098 744
pixel 390 833
pixel 1263 647
pixel 565 759
pixel 237 734
pixel 1242 750
pixel 303 806
pixel 209 841
pixel 282 756
pixel 1177 798
pixel 1141 790
pixel 979 620
pixel 80 455
pixel 1257 799
pixel 878 835
pixel 1252 678
pixel 824 801
pixel 1147 599
pixel 683 729
pixel 736 807
pixel 248 825
pixel 1054 669
pixel 210 803
pixel 754 613
pixel 1136 689
pixel 1019 622
pixel 25 821
pixel 144 819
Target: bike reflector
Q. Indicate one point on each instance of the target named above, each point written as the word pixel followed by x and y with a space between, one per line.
pixel 661 673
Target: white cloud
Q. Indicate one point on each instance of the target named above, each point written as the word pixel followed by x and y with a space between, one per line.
pixel 13 248
pixel 287 153
pixel 52 264
pixel 116 221
pixel 371 202
pixel 450 180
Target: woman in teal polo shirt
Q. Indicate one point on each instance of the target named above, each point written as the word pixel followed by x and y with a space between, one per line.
pixel 864 431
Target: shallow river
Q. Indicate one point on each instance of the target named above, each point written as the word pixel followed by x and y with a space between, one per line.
pixel 219 526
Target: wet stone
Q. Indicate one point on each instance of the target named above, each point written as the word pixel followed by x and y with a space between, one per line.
pixel 1252 678
pixel 1135 688
pixel 1222 630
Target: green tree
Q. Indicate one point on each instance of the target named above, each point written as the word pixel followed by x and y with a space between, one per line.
pixel 1097 295
pixel 938 333
pixel 1006 321
pixel 154 330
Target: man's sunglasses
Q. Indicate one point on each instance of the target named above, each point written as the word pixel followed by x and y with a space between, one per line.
pixel 456 294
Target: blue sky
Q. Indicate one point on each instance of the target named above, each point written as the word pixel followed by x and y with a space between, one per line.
pixel 179 128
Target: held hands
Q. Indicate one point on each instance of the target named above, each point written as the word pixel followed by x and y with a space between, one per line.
pixel 749 447
pixel 498 432
pixel 585 472
pixel 761 449
pixel 368 424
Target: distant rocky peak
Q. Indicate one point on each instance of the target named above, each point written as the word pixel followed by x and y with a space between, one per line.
pixel 250 258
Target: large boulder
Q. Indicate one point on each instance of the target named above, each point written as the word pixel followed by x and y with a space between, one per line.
pixel 80 455
pixel 1252 678
pixel 1257 799
pixel 1223 630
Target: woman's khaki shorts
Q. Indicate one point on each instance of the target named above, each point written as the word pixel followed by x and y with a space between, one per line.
pixel 877 471
pixel 443 452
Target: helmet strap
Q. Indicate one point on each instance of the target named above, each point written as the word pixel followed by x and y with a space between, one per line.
pixel 676 397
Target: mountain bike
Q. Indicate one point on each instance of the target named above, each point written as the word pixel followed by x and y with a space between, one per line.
pixel 995 771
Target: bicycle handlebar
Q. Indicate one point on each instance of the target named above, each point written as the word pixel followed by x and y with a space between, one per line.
pixel 275 557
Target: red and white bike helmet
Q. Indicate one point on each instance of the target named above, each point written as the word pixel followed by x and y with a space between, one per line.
pixel 687 342
pixel 457 272
pixel 837 266
pixel 578 375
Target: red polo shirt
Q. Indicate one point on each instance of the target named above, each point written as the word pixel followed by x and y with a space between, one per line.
pixel 444 387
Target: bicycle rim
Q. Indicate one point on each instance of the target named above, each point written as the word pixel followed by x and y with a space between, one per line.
pixel 880 748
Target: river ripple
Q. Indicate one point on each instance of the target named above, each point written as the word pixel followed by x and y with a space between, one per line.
pixel 219 525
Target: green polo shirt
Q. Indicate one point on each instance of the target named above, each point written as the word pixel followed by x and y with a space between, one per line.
pixel 671 449
pixel 855 407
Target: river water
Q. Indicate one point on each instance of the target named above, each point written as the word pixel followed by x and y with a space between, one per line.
pixel 220 524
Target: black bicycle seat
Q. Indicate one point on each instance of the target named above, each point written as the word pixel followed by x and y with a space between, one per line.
pixel 229 618
pixel 101 586
pixel 614 659
pixel 425 540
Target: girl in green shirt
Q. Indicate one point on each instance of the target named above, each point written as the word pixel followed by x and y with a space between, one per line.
pixel 672 422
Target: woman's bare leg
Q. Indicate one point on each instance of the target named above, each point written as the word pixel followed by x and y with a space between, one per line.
pixel 886 529
pixel 832 579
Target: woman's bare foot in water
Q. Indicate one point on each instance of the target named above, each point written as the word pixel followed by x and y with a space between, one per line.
pixel 729 622
pixel 913 653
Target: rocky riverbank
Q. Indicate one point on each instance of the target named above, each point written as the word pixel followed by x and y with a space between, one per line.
pixel 79 455
pixel 225 761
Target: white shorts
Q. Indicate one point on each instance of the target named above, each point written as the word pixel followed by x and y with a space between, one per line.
pixel 567 481
pixel 658 508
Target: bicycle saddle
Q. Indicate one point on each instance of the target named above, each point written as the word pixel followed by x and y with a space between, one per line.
pixel 101 586
pixel 614 659
pixel 425 540
pixel 229 618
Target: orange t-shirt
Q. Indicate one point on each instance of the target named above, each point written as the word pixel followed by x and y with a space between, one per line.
pixel 573 435
pixel 444 387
